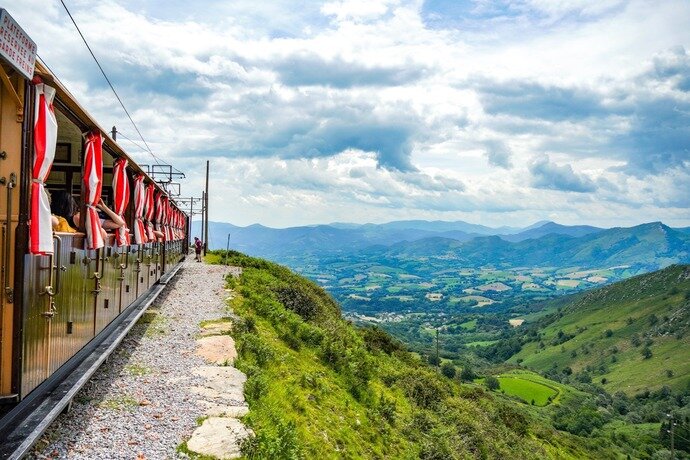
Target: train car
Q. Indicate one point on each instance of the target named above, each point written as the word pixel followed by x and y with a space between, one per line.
pixel 64 291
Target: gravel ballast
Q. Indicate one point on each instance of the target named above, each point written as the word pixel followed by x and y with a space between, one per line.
pixel 140 403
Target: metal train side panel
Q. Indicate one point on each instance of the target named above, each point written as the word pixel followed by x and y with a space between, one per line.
pixel 106 294
pixel 37 322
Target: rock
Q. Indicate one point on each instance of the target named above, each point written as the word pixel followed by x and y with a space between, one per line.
pixel 216 328
pixel 224 410
pixel 218 437
pixel 217 349
pixel 221 383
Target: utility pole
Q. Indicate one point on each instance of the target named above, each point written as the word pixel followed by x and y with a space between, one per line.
pixel 114 134
pixel 206 203
pixel 203 216
pixel 673 450
pixel 671 432
pixel 191 222
pixel 438 356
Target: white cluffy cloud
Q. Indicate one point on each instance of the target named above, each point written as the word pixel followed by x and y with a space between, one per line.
pixel 349 110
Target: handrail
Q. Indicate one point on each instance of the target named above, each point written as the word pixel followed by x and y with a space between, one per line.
pixel 57 267
pixel 9 291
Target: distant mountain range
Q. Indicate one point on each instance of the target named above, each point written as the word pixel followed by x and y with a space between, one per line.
pixel 653 245
pixel 649 246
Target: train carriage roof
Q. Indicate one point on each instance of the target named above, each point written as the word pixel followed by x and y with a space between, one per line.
pixel 78 114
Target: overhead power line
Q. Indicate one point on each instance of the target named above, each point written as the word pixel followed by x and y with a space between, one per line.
pixel 147 149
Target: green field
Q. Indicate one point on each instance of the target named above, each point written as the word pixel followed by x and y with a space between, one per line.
pixel 527 390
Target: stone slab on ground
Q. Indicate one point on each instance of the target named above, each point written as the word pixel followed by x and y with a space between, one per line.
pixel 224 410
pixel 217 349
pixel 221 383
pixel 219 437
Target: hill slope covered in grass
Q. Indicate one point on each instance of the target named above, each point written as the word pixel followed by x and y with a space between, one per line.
pixel 630 336
pixel 318 387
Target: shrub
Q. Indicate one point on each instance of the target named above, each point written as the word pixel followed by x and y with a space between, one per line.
pixel 467 374
pixel 646 353
pixel 255 387
pixel 376 339
pixel 492 383
pixel 297 299
pixel 252 346
pixel 448 370
pixel 386 408
pixel 279 445
pixel 513 419
pixel 424 389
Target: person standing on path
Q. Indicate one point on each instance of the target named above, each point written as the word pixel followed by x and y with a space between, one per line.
pixel 198 245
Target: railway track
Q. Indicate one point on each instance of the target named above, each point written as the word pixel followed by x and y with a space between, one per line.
pixel 22 426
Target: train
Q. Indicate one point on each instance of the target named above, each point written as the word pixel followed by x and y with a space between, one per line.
pixel 61 291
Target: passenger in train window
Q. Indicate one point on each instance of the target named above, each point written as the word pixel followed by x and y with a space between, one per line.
pixel 111 221
pixel 65 206
pixel 62 208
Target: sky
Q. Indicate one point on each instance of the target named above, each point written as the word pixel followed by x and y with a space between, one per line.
pixel 500 112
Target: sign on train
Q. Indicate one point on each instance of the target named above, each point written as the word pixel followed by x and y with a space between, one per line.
pixel 16 47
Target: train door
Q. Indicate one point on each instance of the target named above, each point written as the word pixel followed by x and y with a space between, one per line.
pixel 12 116
pixel 106 293
pixel 140 270
pixel 40 321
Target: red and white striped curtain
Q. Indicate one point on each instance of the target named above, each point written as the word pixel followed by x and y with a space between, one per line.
pixel 93 183
pixel 166 218
pixel 139 204
pixel 45 140
pixel 149 211
pixel 121 193
pixel 158 216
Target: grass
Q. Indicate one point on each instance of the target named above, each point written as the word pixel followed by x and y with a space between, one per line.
pixel 604 322
pixel 318 387
pixel 123 402
pixel 529 391
pixel 137 370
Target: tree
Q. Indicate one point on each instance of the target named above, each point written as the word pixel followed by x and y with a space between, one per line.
pixel 433 360
pixel 492 383
pixel 646 352
pixel 467 374
pixel 608 333
pixel 448 370
pixel 635 340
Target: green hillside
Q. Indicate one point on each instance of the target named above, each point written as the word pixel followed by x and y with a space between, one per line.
pixel 630 336
pixel 318 387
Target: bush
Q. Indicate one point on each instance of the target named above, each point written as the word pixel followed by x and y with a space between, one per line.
pixel 255 387
pixel 513 419
pixel 281 445
pixel 646 352
pixel 467 374
pixel 448 370
pixel 424 389
pixel 297 299
pixel 492 383
pixel 252 346
pixel 376 339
